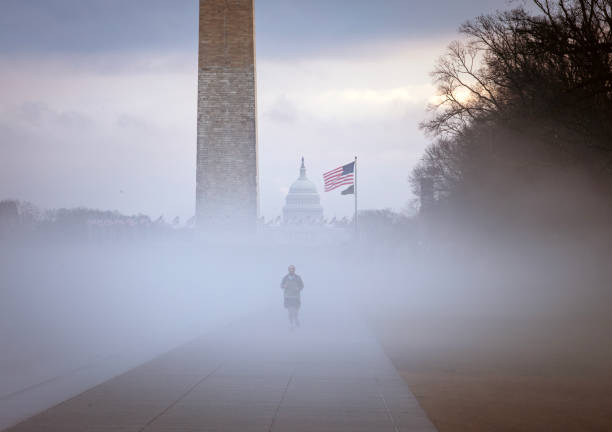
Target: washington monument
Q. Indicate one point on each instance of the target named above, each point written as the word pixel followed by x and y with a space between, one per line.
pixel 226 176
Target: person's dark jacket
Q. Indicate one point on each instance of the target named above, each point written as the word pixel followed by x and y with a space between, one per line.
pixel 292 285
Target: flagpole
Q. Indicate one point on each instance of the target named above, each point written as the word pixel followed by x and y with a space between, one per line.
pixel 355 216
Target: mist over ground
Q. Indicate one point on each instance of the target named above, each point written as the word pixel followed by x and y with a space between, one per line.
pixel 442 296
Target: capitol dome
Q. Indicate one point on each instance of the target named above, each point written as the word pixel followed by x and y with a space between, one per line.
pixel 303 204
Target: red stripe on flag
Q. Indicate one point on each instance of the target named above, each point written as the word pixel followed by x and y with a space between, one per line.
pixel 337 171
pixel 332 186
pixel 348 177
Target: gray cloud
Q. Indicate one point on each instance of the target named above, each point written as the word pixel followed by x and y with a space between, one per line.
pixel 288 28
pixel 284 28
pixel 282 111
pixel 96 25
pixel 38 114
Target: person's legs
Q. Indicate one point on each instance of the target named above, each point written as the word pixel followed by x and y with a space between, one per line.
pixel 290 311
pixel 289 306
pixel 296 317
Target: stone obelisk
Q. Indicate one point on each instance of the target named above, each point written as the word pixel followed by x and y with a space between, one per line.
pixel 226 176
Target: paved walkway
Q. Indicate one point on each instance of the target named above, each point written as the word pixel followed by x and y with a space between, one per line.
pixel 257 375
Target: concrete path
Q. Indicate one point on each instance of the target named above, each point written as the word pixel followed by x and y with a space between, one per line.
pixel 256 375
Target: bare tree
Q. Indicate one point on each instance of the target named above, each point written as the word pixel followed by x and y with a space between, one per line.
pixel 520 95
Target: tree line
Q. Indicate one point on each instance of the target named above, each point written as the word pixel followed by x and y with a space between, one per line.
pixel 522 127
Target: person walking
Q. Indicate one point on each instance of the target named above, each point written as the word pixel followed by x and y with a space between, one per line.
pixel 292 286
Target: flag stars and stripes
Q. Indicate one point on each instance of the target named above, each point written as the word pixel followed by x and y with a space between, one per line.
pixel 341 176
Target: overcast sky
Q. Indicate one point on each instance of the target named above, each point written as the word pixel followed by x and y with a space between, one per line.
pixel 98 98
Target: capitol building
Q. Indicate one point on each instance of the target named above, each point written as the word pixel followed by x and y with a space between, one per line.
pixel 303 203
pixel 302 220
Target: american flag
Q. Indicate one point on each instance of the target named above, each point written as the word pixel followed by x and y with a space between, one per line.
pixel 341 176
